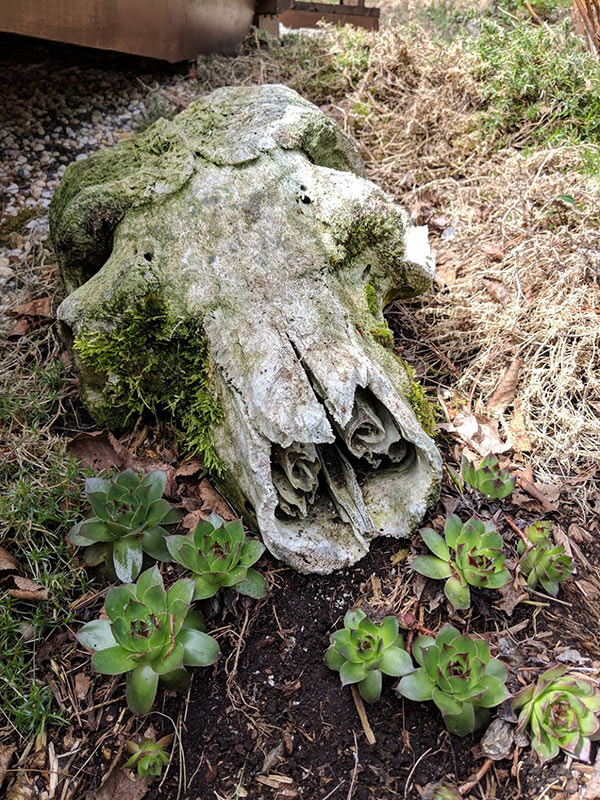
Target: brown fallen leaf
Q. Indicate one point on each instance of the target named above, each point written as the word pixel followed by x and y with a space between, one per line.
pixel 189 469
pixel 545 493
pixel 213 501
pixel 20 328
pixel 25 786
pixel 495 253
pixel 82 685
pixel 478 432
pixel 517 433
pixel 497 290
pixel 26 589
pixel 8 563
pixel 6 753
pixel 512 593
pixel 504 393
pixel 42 307
pixel 100 450
pixel 122 785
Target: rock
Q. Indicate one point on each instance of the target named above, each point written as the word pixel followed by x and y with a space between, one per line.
pixel 230 268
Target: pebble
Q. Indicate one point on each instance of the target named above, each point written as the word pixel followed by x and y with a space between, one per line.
pixel 65 105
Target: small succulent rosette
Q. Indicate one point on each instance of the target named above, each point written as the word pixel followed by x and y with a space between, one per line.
pixel 488 478
pixel 561 711
pixel 219 554
pixel 362 651
pixel 544 563
pixel 149 758
pixel 478 561
pixel 456 672
pixel 150 634
pixel 131 519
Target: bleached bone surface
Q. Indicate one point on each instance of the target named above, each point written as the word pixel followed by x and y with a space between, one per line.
pixel 249 213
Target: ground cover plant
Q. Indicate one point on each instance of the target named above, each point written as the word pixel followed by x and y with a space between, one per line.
pixel 507 347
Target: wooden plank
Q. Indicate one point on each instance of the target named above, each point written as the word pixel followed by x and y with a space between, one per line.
pixel 301 17
pixel 172 30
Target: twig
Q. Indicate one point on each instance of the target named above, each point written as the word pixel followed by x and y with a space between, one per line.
pixel 355 770
pixel 360 707
pixel 465 788
pixel 414 766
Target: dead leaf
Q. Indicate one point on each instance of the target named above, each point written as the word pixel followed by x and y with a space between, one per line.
pixel 512 594
pixel 122 785
pixel 571 547
pixel 445 274
pixel 504 393
pixel 498 290
pixel 25 785
pixel 517 433
pixel 82 685
pixel 20 328
pixel 100 450
pixel 8 563
pixel 189 469
pixel 578 534
pixel 478 432
pixel 26 589
pixel 545 493
pixel 34 308
pixel 213 501
pixel 6 753
pixel 495 253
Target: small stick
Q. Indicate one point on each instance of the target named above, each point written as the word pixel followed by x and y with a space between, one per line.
pixel 464 788
pixel 360 707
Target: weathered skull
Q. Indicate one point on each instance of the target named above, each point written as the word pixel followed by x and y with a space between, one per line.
pixel 229 268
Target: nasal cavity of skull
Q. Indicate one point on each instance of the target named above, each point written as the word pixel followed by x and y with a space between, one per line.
pixel 295 474
pixel 148 256
pixel 372 435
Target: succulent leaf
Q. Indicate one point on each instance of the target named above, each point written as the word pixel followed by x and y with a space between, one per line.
pixel 131 517
pixel 561 710
pixel 459 676
pixel 218 554
pixel 489 478
pixel 544 563
pixel 479 558
pixel 362 650
pixel 151 634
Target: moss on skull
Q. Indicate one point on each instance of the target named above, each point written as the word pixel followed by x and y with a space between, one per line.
pixel 424 409
pixel 154 364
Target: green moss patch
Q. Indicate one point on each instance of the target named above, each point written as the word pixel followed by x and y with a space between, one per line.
pixel 155 365
pixel 424 409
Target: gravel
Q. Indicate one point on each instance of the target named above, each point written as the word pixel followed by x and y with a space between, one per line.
pixel 58 104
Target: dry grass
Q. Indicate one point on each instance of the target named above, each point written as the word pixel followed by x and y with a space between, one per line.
pixel 537 296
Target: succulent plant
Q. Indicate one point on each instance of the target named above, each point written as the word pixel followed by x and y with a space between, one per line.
pixel 148 758
pixel 441 790
pixel 130 519
pixel 488 477
pixel 545 562
pixel 219 554
pixel 561 710
pixel 151 635
pixel 459 675
pixel 361 651
pixel 479 558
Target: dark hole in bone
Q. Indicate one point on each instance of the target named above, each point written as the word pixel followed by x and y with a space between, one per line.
pixel 148 256
pixel 366 271
pixel 302 187
pixel 306 199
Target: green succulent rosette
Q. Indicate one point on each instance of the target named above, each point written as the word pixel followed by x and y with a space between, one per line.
pixel 459 675
pixel 152 635
pixel 148 758
pixel 362 652
pixel 131 519
pixel 545 563
pixel 488 478
pixel 561 710
pixel 218 553
pixel 479 558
